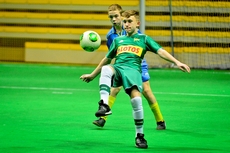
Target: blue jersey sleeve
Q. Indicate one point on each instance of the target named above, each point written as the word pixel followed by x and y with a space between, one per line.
pixel 110 40
pixel 112 51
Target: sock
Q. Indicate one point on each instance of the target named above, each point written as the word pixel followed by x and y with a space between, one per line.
pixel 138 114
pixel 156 111
pixel 111 102
pixel 104 95
pixel 105 83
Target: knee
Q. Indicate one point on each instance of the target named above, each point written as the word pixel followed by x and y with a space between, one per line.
pixel 107 71
pixel 115 91
pixel 137 104
pixel 146 90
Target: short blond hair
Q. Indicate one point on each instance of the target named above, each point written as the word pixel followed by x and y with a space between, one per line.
pixel 129 13
pixel 115 7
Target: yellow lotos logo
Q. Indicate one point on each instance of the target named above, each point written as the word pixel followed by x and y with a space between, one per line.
pixel 130 49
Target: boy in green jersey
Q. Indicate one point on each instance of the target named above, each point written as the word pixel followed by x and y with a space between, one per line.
pixel 117 29
pixel 128 51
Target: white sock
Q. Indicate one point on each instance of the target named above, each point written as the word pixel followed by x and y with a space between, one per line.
pixel 105 83
pixel 138 114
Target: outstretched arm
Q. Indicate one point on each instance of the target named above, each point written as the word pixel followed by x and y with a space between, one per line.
pixel 165 55
pixel 89 77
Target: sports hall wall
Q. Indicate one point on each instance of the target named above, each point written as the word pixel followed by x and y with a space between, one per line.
pixel 48 31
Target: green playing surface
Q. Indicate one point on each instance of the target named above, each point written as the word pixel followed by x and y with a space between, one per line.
pixel 47 108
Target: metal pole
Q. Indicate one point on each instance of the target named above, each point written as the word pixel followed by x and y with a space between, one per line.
pixel 171 26
pixel 142 15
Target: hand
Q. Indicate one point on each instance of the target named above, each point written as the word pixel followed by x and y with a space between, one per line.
pixel 86 78
pixel 184 67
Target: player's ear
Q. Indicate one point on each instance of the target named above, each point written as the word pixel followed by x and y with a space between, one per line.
pixel 138 23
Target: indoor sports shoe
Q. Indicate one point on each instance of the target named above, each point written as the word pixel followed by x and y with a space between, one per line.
pixel 100 122
pixel 103 109
pixel 161 125
pixel 140 141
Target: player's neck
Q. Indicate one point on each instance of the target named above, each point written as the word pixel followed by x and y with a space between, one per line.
pixel 118 30
pixel 133 33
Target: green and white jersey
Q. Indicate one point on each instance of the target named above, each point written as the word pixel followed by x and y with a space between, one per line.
pixel 130 50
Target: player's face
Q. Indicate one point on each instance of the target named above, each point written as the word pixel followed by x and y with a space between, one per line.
pixel 130 25
pixel 115 18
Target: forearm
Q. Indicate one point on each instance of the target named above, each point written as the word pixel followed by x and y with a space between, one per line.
pixel 165 55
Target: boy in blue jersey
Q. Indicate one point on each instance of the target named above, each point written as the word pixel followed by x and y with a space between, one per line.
pixel 114 13
pixel 129 52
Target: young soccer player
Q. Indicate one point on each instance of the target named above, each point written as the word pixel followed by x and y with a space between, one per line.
pixel 129 51
pixel 114 13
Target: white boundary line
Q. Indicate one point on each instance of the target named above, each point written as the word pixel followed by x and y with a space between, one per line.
pixel 192 94
pixel 43 88
pixel 68 91
pixel 62 93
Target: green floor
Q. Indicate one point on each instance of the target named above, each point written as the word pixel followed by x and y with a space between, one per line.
pixel 47 108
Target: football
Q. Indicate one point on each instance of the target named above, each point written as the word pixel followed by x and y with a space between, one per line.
pixel 90 41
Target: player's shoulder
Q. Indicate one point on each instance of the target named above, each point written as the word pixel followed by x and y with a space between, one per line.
pixel 141 35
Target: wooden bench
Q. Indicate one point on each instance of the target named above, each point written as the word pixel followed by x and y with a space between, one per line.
pixel 103 48
pixel 75 33
pixel 102 19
